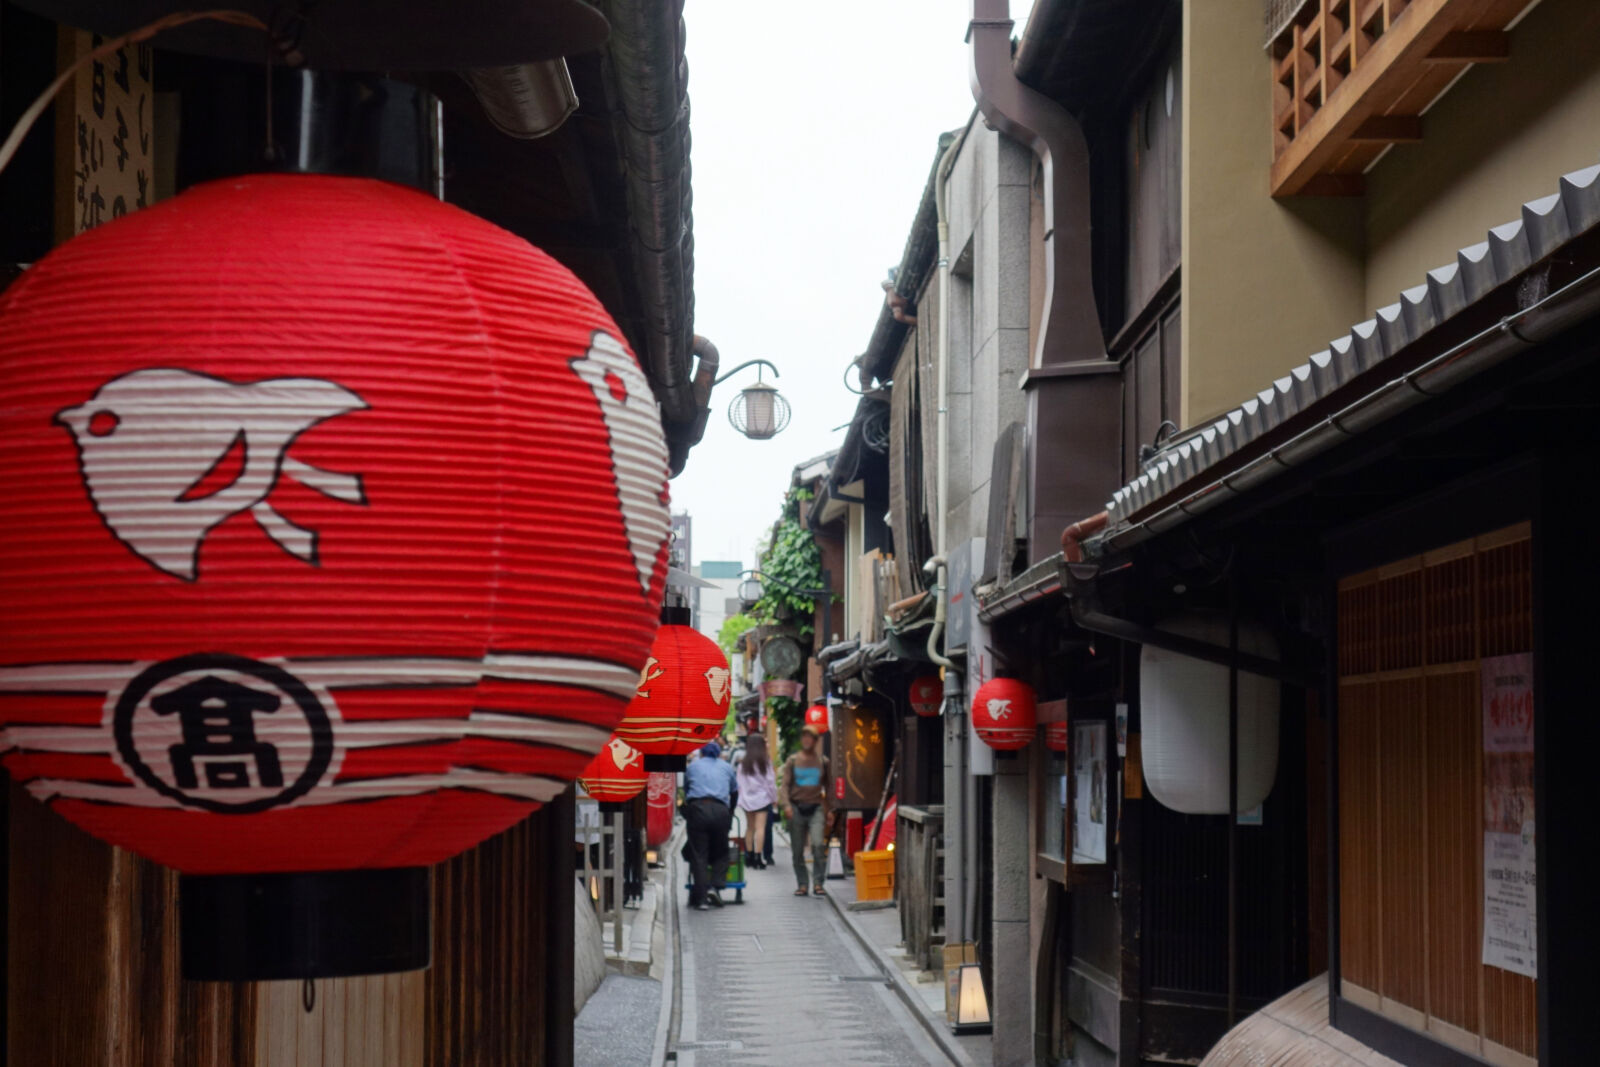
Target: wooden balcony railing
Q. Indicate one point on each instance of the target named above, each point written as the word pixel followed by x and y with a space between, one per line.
pixel 1352 77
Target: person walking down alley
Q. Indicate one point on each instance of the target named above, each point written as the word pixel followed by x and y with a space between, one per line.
pixel 708 812
pixel 803 796
pixel 758 788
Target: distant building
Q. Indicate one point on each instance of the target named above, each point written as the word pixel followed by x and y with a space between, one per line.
pixel 713 606
pixel 681 552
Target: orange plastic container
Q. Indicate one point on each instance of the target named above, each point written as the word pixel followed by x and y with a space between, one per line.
pixel 875 875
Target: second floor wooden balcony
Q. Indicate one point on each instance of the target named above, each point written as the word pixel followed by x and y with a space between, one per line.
pixel 1352 77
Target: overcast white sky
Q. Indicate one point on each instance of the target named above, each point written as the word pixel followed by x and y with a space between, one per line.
pixel 814 128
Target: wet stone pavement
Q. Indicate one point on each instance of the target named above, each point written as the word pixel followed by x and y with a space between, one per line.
pixel 779 980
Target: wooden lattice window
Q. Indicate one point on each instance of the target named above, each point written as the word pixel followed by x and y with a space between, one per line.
pixel 1352 77
pixel 1412 638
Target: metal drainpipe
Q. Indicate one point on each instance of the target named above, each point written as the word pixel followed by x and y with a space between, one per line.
pixel 1233 800
pixel 1069 323
pixel 958 799
pixel 939 561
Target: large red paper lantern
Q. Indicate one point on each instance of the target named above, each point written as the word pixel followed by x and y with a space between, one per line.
pixel 681 701
pixel 616 774
pixel 1004 714
pixel 338 529
pixel 1055 736
pixel 927 693
pixel 817 717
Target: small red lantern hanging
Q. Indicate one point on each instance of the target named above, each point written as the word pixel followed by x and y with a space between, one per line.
pixel 816 717
pixel 683 694
pixel 616 774
pixel 308 464
pixel 1055 736
pixel 927 693
pixel 1004 715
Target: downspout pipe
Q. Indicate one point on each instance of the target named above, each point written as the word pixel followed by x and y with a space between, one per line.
pixel 1069 328
pixel 707 361
pixel 939 562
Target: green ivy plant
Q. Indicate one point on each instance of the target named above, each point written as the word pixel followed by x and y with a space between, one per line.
pixel 734 627
pixel 788 715
pixel 792 561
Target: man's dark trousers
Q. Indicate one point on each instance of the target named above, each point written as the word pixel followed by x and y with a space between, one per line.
pixel 708 821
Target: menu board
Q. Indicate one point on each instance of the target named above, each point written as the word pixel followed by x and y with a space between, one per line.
pixel 107 134
pixel 858 757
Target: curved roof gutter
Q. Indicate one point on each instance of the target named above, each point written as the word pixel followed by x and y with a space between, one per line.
pixel 646 51
pixel 1069 329
pixel 1568 306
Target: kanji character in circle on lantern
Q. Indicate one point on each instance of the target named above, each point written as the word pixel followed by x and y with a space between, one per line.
pixel 308 466
pixel 1004 714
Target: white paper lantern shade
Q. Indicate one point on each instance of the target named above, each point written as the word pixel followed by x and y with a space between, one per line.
pixel 1184 715
pixel 759 411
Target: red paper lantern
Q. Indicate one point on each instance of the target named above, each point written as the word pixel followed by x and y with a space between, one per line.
pixel 927 693
pixel 682 697
pixel 338 527
pixel 616 774
pixel 817 717
pixel 1004 715
pixel 1055 736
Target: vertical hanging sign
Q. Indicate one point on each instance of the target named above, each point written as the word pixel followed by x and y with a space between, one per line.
pixel 1510 922
pixel 106 135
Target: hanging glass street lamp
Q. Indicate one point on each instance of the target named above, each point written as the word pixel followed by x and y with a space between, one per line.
pixel 759 411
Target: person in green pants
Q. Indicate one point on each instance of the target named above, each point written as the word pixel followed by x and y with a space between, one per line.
pixel 803 796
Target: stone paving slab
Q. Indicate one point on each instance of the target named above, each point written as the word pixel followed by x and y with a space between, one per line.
pixel 779 980
pixel 618 1026
pixel 878 929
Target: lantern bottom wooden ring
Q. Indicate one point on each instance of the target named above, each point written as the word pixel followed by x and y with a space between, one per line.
pixel 317 924
pixel 670 764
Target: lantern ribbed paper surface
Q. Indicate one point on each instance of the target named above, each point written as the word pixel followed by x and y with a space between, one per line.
pixel 337 527
pixel 1004 714
pixel 682 696
pixel 817 716
pixel 927 693
pixel 615 774
pixel 1055 736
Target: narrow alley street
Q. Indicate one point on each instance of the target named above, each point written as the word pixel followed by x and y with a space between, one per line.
pixel 781 980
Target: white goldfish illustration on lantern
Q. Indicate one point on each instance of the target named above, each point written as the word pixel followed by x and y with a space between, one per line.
pixel 168 454
pixel 719 679
pixel 651 671
pixel 623 754
pixel 999 709
pixel 638 450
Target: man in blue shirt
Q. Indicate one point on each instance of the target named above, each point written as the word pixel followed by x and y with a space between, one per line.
pixel 708 811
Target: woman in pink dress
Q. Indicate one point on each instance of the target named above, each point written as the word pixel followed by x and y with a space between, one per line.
pixel 758 791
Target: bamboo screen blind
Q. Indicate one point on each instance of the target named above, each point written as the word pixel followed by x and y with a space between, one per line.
pixel 1411 635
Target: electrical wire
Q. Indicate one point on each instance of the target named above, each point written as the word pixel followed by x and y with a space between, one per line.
pixel 13 140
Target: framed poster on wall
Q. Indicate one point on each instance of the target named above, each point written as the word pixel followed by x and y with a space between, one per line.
pixel 1090 797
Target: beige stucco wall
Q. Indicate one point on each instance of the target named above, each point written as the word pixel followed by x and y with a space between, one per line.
pixel 1265 283
pixel 1502 136
pixel 1268 282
